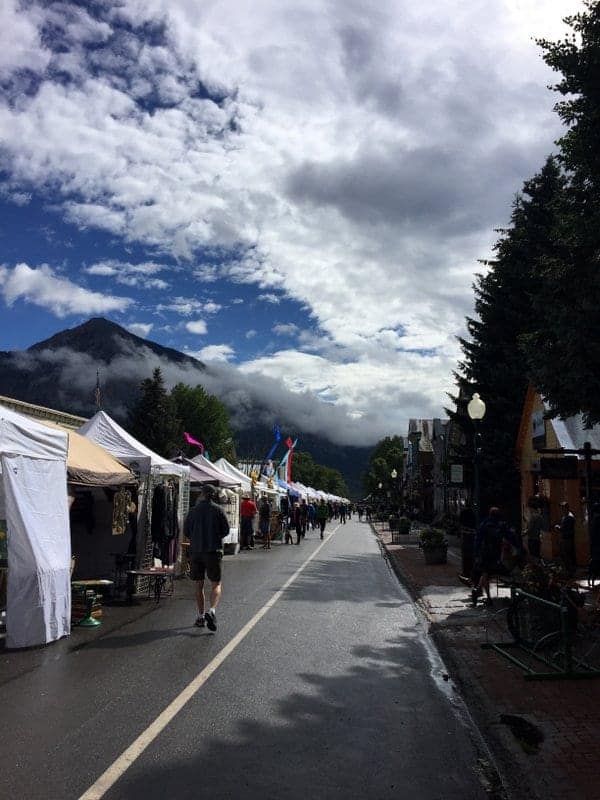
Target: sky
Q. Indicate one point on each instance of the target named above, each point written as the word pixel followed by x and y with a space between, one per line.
pixel 297 194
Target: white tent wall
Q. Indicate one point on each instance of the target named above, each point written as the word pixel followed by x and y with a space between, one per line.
pixel 34 485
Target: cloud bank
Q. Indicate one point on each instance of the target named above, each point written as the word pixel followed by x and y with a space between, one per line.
pixel 349 157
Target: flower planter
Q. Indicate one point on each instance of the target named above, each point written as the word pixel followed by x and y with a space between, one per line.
pixel 436 554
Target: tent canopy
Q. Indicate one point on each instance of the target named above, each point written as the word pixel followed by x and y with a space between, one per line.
pixel 224 465
pixel 205 472
pixel 103 430
pixel 89 464
pixel 20 435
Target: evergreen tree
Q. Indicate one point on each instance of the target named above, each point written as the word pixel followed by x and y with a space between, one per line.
pixel 493 363
pixel 152 420
pixel 563 348
pixel 206 419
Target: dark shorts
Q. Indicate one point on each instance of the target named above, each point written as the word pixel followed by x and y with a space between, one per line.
pixel 206 564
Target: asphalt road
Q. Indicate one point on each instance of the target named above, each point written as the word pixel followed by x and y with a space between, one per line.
pixel 327 689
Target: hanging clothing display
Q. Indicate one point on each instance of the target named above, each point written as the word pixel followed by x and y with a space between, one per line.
pixel 121 502
pixel 164 526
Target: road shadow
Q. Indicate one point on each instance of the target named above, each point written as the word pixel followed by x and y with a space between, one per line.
pixel 380 729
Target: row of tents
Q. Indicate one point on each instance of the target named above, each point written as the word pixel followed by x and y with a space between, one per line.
pixel 48 473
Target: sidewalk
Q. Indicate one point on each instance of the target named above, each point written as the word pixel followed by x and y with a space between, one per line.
pixel 566 713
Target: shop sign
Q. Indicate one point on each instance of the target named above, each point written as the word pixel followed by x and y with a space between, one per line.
pixel 456 474
pixel 539 430
pixel 561 468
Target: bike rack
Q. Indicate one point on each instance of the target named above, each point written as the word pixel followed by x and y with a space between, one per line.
pixel 561 663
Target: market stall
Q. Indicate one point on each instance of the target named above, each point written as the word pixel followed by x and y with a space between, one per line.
pixel 163 491
pixel 35 519
pixel 102 497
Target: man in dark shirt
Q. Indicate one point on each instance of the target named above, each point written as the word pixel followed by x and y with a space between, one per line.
pixel 205 527
pixel 566 527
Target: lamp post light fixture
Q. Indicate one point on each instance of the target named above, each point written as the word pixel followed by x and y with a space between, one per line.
pixel 476 411
pixel 393 476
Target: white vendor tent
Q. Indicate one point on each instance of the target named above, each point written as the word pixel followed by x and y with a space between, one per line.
pixel 153 470
pixel 34 511
pixel 103 430
pixel 204 471
pixel 244 481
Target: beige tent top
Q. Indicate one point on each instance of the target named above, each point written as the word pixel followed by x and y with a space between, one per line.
pixel 89 464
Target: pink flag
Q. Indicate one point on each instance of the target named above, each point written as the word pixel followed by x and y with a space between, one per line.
pixel 190 440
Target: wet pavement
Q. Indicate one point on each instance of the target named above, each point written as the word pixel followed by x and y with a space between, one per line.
pixel 543 734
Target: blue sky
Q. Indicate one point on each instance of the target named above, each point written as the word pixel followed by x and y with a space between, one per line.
pixel 297 192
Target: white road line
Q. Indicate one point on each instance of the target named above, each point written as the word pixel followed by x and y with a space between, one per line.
pixel 135 750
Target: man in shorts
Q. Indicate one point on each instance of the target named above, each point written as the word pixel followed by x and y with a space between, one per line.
pixel 205 527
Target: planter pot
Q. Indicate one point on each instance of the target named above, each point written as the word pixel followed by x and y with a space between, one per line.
pixel 438 554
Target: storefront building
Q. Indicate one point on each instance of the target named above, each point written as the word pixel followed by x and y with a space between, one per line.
pixel 551 456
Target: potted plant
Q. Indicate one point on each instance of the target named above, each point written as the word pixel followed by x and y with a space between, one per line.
pixel 404 525
pixel 434 545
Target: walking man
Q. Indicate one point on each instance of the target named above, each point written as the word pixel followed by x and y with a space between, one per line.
pixel 301 519
pixel 322 515
pixel 264 521
pixel 205 528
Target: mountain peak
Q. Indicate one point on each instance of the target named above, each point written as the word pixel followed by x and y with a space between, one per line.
pixel 103 339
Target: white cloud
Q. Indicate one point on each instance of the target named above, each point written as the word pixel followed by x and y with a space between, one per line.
pixel 286 329
pixel 250 334
pixel 115 267
pixel 183 306
pixel 62 297
pixel 347 164
pixel 140 328
pixel 207 273
pixel 20 43
pixel 211 308
pixel 197 326
pixel 215 352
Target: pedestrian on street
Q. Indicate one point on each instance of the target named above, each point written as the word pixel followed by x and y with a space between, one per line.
pixel 533 532
pixel 248 511
pixel 343 513
pixel 301 520
pixel 264 521
pixel 566 528
pixel 488 552
pixel 322 515
pixel 205 528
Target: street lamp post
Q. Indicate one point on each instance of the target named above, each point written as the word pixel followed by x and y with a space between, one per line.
pixel 476 411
